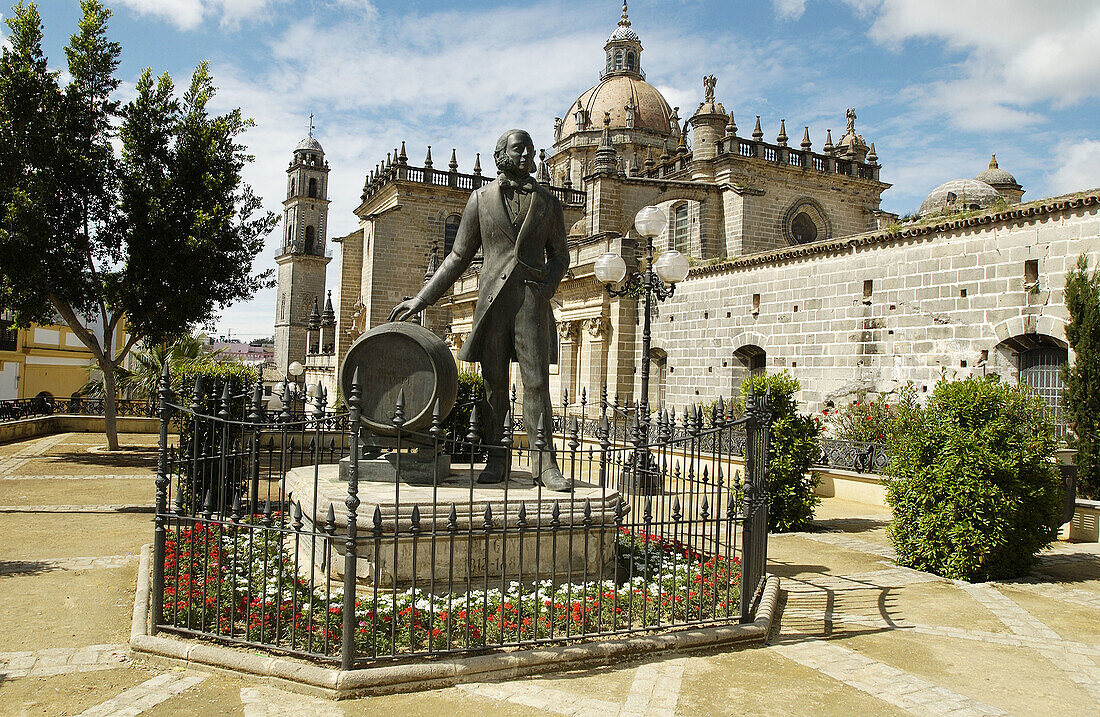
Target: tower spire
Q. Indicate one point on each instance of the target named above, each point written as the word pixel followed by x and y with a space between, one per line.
pixel 310 124
pixel 624 21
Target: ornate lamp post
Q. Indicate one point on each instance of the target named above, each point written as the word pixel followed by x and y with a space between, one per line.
pixel 657 281
pixel 287 390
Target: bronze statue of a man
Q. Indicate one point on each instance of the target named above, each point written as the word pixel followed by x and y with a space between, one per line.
pixel 520 228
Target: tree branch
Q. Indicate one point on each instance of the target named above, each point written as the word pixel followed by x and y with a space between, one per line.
pixel 90 340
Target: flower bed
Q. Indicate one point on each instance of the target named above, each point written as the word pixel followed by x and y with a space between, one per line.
pixel 243 582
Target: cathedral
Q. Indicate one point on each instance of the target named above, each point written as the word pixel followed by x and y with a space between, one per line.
pixel 794 266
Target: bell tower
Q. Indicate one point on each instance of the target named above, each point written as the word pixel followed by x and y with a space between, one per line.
pixel 302 261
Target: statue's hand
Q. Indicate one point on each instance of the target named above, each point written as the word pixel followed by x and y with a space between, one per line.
pixel 408 309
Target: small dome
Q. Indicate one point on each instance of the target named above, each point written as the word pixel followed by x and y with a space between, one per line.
pixel 612 94
pixel 623 31
pixel 958 195
pixel 995 176
pixel 577 230
pixel 309 144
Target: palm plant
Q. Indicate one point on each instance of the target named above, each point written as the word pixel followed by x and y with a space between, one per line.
pixel 142 378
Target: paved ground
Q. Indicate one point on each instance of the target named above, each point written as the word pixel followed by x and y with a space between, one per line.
pixel 857 634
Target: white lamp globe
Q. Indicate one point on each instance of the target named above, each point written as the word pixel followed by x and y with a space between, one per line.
pixel 650 222
pixel 296 368
pixel 672 267
pixel 274 403
pixel 609 268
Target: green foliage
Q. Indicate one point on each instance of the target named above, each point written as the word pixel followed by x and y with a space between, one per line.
pixel 161 231
pixel 972 481
pixel 869 421
pixel 142 380
pixel 471 392
pixel 795 445
pixel 1082 378
pixel 240 377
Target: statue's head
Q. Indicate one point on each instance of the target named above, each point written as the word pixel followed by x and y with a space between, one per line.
pixel 515 153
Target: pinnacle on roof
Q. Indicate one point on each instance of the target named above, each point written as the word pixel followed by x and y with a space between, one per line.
pixel 731 127
pixel 781 138
pixel 328 317
pixel 806 139
pixel 314 316
pixel 757 133
pixel 453 164
pixel 428 158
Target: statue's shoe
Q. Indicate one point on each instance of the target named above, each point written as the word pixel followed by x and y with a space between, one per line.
pixel 552 479
pixel 492 473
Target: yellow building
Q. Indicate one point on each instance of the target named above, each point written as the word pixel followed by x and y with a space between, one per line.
pixel 43 359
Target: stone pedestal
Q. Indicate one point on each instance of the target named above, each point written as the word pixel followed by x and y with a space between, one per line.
pixel 417 468
pixel 559 540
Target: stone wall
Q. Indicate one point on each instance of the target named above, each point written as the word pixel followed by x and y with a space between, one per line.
pixel 937 298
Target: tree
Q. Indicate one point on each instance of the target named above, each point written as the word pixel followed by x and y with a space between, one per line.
pixel 1082 378
pixel 160 233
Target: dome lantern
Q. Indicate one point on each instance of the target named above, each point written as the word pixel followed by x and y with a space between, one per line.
pixel 623 50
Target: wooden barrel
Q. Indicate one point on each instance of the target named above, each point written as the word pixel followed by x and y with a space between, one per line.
pixel 396 356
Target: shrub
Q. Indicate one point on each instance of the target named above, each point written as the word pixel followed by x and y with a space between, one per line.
pixel 207 476
pixel 794 448
pixel 972 481
pixel 1082 378
pixel 471 392
pixel 869 421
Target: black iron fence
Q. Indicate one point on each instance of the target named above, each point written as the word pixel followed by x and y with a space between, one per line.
pixel 297 535
pixel 21 408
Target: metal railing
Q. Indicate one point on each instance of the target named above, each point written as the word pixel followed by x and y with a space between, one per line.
pixel 21 408
pixel 258 543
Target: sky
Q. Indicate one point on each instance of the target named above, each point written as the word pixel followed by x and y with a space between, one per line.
pixel 938 85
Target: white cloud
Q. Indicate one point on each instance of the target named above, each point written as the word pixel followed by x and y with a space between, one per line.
pixel 790 9
pixel 189 14
pixel 1015 54
pixel 1078 163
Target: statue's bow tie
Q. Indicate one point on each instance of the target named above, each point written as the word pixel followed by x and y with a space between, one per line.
pixel 525 186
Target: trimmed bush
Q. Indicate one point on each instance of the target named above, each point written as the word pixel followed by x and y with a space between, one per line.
pixel 794 447
pixel 1082 378
pixel 973 482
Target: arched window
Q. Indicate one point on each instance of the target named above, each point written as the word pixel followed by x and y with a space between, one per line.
pixel 1041 368
pixel 282 308
pixel 630 60
pixel 311 239
pixel 681 228
pixel 749 360
pixel 312 187
pixel 803 228
pixel 293 186
pixel 610 61
pixel 450 231
pixel 618 59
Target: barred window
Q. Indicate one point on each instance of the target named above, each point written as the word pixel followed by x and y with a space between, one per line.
pixel 681 229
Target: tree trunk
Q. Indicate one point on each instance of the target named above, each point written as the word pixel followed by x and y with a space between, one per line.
pixel 110 426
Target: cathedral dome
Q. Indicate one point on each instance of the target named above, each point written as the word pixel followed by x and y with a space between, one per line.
pixel 620 95
pixel 958 195
pixel 995 176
